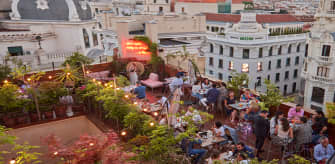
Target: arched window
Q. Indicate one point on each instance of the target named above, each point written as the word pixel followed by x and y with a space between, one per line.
pixel 211 48
pixel 221 50
pixel 298 48
pixel 86 38
pixel 289 49
pixel 95 39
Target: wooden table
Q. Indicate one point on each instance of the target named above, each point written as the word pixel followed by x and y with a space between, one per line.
pixel 211 141
pixel 239 107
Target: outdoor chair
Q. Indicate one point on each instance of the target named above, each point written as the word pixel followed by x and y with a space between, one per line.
pixel 284 143
pixel 152 82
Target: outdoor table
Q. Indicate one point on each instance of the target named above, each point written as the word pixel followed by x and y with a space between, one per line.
pixel 239 106
pixel 211 141
pixel 129 88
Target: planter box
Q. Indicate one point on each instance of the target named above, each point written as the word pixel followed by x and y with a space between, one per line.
pixel 9 121
pixel 22 119
pixel 33 117
pixel 60 111
pixel 48 114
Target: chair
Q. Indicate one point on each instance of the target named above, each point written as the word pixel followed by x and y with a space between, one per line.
pixel 284 142
pixel 152 82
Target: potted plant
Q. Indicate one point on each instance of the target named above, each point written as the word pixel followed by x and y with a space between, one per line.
pixel 50 92
pixel 10 103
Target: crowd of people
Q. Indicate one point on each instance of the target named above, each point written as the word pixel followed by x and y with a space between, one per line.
pixel 283 129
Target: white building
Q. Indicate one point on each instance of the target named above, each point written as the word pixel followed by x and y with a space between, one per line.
pixel 264 46
pixel 63 26
pixel 319 70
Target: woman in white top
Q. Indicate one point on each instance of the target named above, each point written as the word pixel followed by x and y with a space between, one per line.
pixel 196 90
pixel 283 129
pixel 275 121
pixel 206 84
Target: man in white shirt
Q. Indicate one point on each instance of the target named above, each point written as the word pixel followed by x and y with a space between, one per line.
pixel 219 129
pixel 177 82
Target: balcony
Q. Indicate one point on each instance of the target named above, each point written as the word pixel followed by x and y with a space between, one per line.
pixel 325 59
pixel 321 79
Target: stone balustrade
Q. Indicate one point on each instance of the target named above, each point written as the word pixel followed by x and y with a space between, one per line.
pixel 21 36
pixel 322 79
pixel 58 56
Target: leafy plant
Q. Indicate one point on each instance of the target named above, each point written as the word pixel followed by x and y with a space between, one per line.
pixel 69 75
pixel 4 72
pixel 77 60
pixel 273 97
pixel 50 92
pixel 11 98
pixel 134 121
pixel 298 160
pixel 330 112
pixel 238 80
pixel 122 81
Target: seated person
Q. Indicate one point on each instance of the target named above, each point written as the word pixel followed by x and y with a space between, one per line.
pixel 242 159
pixel 193 151
pixel 196 90
pixel 251 112
pixel 302 132
pixel 139 91
pixel 206 84
pixel 295 113
pixel 211 97
pixel 215 156
pixel 232 133
pixel 241 148
pixel 176 83
pixel 227 102
pixel 323 151
pixel 320 123
pixel 219 129
pixel 246 96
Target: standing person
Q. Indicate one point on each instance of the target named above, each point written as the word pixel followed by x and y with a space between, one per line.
pixel 211 97
pixel 206 84
pixel 283 129
pixel 133 74
pixel 295 113
pixel 139 91
pixel 262 127
pixel 176 83
pixel 275 121
pixel 319 126
pixel 323 151
pixel 303 132
pixel 222 96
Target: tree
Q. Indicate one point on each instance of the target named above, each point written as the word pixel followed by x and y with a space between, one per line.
pixel 77 60
pixel 4 72
pixel 273 97
pixel 11 99
pixel 69 76
pixel 238 80
pixel 182 56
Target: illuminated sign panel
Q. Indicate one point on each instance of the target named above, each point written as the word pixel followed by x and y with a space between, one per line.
pixel 136 49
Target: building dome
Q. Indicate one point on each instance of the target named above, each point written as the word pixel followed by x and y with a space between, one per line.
pixel 51 10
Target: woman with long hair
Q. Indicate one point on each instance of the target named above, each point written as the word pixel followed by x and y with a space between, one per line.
pixel 275 121
pixel 283 129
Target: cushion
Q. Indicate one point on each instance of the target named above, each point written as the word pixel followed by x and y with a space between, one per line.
pixel 152 84
pixel 153 76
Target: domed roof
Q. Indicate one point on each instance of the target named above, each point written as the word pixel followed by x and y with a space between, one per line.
pixel 53 10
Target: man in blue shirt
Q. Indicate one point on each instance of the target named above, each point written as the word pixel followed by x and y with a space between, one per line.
pixel 199 152
pixel 323 151
pixel 139 90
pixel 244 149
pixel 211 97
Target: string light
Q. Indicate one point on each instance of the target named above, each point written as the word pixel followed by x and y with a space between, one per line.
pixel 50 77
pixel 106 84
pixel 135 103
pixel 152 123
pixel 99 82
pixel 68 73
pixel 55 153
pixel 94 80
pixel 124 133
pixel 111 85
pixel 91 144
pixel 87 72
pixel 29 79
pixel 145 109
pixel 117 88
pixel 6 81
pixel 126 96
pixel 155 113
pixel 13 161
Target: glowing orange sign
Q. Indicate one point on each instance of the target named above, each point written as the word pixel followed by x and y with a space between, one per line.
pixel 137 47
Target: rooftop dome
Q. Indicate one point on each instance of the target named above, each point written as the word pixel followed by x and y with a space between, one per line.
pixel 51 10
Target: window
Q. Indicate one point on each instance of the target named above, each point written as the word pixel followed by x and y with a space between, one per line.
pixel 221 50
pixel 206 27
pixel 259 81
pixel 279 63
pixel 269 77
pixel 211 61
pixel 166 1
pixel 270 51
pixel 86 39
pixel 95 39
pixel 259 66
pixel 269 65
pixel 183 11
pixel 295 73
pixel 96 10
pixel 305 68
pixel 211 48
pixel 279 50
pixel 318 95
pixel 160 9
pixel 260 53
pixel 322 71
pixel 289 50
pixel 245 68
pixel 154 1
pixel 332 5
pixel 211 72
pixel 231 65
pixel 294 87
pixel 220 76
pixel 298 48
pixel 15 51
pixel 325 50
pixel 285 89
pixel 229 78
pixel 246 53
pixel 277 77
pixel 288 61
pixel 220 63
pixel 231 52
pixel 297 60
pixel 287 74
pixel 306 50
